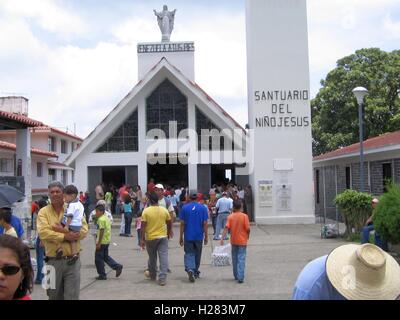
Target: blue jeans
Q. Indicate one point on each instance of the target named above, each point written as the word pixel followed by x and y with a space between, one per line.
pixel 238 261
pixel 101 257
pixel 192 257
pixel 40 260
pixel 221 222
pixel 128 223
pixel 378 240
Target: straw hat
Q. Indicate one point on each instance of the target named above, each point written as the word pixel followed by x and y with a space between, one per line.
pixel 363 272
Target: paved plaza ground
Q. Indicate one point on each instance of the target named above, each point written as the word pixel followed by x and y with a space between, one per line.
pixel 275 256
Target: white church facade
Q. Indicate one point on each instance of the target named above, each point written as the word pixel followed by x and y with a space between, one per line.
pixel 123 148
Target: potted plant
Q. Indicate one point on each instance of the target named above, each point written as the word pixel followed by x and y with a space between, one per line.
pixel 356 208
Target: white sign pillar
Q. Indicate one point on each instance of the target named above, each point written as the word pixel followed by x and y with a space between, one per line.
pixel 279 111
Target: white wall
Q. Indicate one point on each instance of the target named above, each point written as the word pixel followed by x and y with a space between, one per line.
pixel 40 141
pixel 8 155
pixel 184 61
pixel 88 157
pixel 39 182
pixel 63 156
pixel 277 53
pixel 8 137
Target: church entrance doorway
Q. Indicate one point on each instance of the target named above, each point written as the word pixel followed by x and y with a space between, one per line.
pixel 168 172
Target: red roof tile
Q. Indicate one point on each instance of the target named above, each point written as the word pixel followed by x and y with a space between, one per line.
pixel 13 147
pixel 40 190
pixel 58 164
pixel 20 118
pixel 45 128
pixel 8 146
pixel 34 124
pixel 384 140
pixel 44 153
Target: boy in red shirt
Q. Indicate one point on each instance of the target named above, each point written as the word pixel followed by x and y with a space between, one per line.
pixel 239 226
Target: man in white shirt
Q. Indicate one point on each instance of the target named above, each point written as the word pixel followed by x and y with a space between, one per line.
pixel 224 206
pixel 163 202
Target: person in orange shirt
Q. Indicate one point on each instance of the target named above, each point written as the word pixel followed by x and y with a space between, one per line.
pixel 239 226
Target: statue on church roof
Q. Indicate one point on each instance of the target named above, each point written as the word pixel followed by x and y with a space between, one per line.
pixel 165 21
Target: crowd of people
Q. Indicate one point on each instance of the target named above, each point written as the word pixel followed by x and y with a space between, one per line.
pixel 129 201
pixel 63 221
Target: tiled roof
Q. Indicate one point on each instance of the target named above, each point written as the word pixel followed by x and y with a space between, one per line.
pixel 20 118
pixel 35 125
pixel 6 145
pixel 58 164
pixel 54 130
pixel 13 147
pixel 40 191
pixel 384 140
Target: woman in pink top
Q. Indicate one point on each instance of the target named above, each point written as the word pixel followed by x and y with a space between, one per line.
pixel 16 273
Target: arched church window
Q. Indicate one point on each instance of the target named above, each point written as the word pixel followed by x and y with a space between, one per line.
pixel 125 138
pixel 166 103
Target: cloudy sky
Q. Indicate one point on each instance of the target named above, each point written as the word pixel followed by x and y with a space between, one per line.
pixel 76 59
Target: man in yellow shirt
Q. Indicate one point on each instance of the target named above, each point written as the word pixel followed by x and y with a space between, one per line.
pixel 51 233
pixel 156 230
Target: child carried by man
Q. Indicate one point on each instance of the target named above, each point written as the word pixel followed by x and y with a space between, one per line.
pixel 72 220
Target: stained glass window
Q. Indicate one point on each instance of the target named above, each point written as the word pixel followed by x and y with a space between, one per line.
pixel 166 104
pixel 125 138
pixel 203 122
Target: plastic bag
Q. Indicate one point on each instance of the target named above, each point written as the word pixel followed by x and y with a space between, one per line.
pixel 329 231
pixel 34 264
pixel 221 256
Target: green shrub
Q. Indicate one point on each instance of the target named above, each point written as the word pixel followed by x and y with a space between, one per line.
pixel 387 217
pixel 356 208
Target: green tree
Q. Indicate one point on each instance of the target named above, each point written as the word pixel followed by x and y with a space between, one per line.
pixel 335 110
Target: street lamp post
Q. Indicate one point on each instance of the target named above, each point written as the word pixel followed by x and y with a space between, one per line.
pixel 360 93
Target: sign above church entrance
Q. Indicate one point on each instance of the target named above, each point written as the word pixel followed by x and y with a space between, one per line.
pixel 166 47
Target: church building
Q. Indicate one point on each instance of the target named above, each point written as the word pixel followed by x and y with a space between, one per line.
pixel 166 128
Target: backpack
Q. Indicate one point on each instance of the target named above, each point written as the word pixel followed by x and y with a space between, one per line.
pixel 167 204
